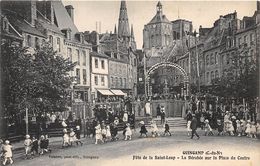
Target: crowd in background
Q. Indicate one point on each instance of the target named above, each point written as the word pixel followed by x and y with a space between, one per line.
pixel 226 120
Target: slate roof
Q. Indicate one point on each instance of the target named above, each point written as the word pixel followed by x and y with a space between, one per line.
pixel 49 26
pixel 101 55
pixel 20 24
pixel 64 21
pixel 159 18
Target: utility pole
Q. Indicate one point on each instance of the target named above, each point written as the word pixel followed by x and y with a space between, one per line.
pixel 145 75
pixel 26 121
pixel 197 59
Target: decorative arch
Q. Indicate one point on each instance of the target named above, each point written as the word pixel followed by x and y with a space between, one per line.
pixel 167 64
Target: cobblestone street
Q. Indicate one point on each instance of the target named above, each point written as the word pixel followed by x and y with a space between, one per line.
pixel 164 150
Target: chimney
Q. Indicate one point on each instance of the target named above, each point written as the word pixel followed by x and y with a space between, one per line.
pixel 258 5
pixel 33 13
pixel 97 42
pixel 70 11
pixel 49 11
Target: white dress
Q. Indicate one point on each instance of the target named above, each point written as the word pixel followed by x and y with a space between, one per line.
pixel 72 136
pixel 125 117
pixel 148 108
pixel 66 138
pixel 128 131
pixel 154 127
pixel 247 128
pixel 108 133
pixel 188 125
pixel 253 129
pixel 98 133
pixel 8 150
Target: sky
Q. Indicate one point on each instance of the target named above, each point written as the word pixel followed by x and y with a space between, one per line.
pixel 205 13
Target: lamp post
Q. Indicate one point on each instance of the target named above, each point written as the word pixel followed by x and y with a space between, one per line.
pixel 84 114
pixel 26 121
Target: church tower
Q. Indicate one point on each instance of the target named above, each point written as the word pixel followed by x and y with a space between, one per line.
pixel 123 24
pixel 158 32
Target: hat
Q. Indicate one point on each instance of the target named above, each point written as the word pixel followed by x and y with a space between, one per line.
pixel 77 127
pixel 233 117
pixel 141 122
pixel 248 121
pixel 237 121
pixel 71 129
pixel 65 130
pixel 7 142
pixel 27 136
pixel 63 119
pixel 227 112
pixel 206 121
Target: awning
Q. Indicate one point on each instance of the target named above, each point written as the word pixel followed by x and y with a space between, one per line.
pixel 106 92
pixel 118 92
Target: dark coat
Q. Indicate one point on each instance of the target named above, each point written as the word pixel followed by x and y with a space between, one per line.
pixel 193 124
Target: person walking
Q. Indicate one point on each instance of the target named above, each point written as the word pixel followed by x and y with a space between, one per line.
pixel 162 115
pixel 193 127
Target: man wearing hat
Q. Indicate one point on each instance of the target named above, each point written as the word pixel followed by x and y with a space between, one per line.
pixel 193 127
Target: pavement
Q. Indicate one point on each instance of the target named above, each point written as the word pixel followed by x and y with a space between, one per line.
pixel 113 153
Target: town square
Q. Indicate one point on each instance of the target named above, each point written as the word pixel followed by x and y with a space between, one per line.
pixel 130 82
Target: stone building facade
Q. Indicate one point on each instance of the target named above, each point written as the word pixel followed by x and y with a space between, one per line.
pixel 120 47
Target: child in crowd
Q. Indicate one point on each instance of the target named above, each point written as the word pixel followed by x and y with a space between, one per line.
pixel 258 130
pixel 230 128
pixel 155 130
pixel 143 129
pixel 72 136
pixel 27 146
pixel 78 136
pixel 188 128
pixel 220 127
pixel 108 133
pixel 66 138
pixel 7 152
pixel 247 131
pixel 243 126
pixel 239 128
pixel 253 130
pixel 114 131
pixel 167 129
pixel 46 147
pixel 98 134
pixel 42 144
pixel 208 129
pixel 103 131
pixel 128 132
pixel 35 145
pixel 202 120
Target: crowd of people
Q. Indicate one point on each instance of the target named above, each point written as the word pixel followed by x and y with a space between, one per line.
pixel 236 121
pixel 104 127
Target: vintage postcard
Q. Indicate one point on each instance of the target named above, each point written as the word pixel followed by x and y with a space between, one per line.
pixel 129 82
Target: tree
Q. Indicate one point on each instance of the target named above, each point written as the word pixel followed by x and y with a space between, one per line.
pixel 240 80
pixel 38 81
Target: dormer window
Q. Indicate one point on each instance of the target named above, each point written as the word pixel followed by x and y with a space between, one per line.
pixel 67 33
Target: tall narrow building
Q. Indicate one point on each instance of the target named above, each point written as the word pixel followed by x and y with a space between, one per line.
pixel 123 24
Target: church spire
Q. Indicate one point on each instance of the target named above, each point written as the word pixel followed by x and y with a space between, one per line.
pixel 123 25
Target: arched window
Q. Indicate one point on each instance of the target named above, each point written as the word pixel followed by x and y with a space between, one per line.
pixel 216 74
pixel 212 75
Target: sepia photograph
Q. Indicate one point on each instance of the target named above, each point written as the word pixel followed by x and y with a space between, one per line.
pixel 129 82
